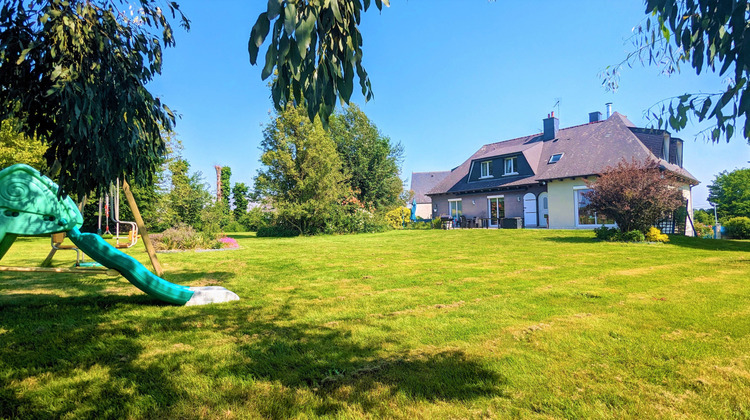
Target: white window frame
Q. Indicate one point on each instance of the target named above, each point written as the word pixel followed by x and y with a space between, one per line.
pixel 665 148
pixel 489 204
pixel 482 165
pixel 514 163
pixel 553 156
pixel 575 208
pixel 450 210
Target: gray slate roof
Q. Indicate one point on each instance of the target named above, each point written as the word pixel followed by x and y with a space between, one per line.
pixel 423 182
pixel 587 149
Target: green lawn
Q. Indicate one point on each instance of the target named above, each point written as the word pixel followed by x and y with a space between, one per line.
pixel 416 324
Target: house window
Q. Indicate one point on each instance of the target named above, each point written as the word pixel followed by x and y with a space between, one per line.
pixel 555 158
pixel 511 166
pixel 455 206
pixel 486 169
pixel 665 148
pixel 585 215
pixel 496 209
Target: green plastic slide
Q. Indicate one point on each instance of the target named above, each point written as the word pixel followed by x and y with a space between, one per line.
pixel 29 206
pixel 105 254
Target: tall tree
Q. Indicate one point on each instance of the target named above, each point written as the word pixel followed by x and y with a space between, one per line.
pixel 75 73
pixel 225 182
pixel 635 195
pixel 302 177
pixel 188 194
pixel 730 191
pixel 239 195
pixel 315 48
pixel 371 161
pixel 705 35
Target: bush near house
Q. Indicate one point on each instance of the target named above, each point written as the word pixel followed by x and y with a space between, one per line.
pixel 738 227
pixel 655 235
pixel 703 230
pixel 397 217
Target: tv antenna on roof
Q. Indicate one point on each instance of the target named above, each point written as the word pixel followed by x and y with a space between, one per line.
pixel 557 104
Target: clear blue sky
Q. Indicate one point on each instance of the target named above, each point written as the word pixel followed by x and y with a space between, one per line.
pixel 448 77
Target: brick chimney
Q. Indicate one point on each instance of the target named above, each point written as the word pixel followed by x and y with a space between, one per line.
pixel 551 125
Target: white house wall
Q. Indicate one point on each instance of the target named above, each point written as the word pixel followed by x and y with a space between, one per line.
pixel 561 198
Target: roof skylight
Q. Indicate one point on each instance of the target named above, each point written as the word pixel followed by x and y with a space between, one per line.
pixel 555 158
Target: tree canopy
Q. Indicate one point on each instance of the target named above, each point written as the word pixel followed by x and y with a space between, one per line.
pixel 15 147
pixel 707 35
pixel 302 178
pixel 635 195
pixel 74 72
pixel 315 49
pixel 371 161
pixel 730 191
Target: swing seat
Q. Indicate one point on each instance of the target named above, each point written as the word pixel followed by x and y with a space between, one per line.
pixel 122 245
pixel 57 241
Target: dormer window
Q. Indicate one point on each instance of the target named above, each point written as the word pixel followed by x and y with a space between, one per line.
pixel 486 169
pixel 665 148
pixel 555 158
pixel 511 166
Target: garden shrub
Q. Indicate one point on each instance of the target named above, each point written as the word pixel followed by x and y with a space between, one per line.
pixel 738 227
pixel 606 233
pixel 184 237
pixel 437 223
pixel 703 231
pixel 397 217
pixel 631 236
pixel 235 226
pixel 655 235
pixel 276 231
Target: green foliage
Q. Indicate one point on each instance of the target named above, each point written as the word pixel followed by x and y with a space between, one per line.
pixel 635 195
pixel 606 233
pixel 707 35
pixel 256 218
pixel 187 196
pixel 371 161
pixel 239 196
pixel 214 218
pixel 225 182
pixel 398 217
pixel 703 231
pixel 184 237
pixel 738 227
pixel 730 191
pixel 16 147
pixel 75 72
pixel 655 235
pixel 302 177
pixel 704 216
pixel 315 49
pixel 631 236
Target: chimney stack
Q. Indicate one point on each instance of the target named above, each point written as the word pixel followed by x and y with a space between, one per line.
pixel 609 109
pixel 551 125
pixel 595 116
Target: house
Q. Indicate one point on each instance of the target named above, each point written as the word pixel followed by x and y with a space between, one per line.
pixel 421 184
pixel 541 178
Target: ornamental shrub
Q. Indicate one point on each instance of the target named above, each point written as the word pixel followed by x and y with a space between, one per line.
pixel 631 236
pixel 738 227
pixel 606 233
pixel 655 235
pixel 397 217
pixel 184 237
pixel 703 231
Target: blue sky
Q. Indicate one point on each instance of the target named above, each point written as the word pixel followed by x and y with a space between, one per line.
pixel 448 77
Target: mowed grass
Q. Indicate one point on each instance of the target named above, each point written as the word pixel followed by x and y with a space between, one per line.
pixel 414 324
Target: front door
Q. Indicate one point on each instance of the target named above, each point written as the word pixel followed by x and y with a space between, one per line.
pixel 496 210
pixel 529 210
pixel 543 210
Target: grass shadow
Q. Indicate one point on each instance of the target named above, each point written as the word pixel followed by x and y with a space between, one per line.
pixel 709 244
pixel 570 240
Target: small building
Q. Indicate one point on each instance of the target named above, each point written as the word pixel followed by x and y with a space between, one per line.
pixel 421 184
pixel 541 178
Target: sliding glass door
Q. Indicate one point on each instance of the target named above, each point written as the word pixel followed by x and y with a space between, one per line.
pixel 496 209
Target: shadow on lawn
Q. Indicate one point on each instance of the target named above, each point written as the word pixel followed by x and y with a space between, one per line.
pixel 84 357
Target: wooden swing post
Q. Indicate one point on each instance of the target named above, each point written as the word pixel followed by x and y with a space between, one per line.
pixel 142 229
